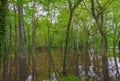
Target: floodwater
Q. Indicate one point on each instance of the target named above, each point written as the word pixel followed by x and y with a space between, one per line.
pixel 58 60
pixel 94 76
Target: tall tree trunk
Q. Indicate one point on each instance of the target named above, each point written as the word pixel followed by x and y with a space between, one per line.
pixel 49 44
pixel 66 44
pixel 85 52
pixel 3 42
pixel 5 57
pixel 33 43
pixel 5 67
pixel 77 53
pixel 22 59
pixel 29 51
pixel 16 44
pixel 10 54
pixel 3 8
pixel 72 7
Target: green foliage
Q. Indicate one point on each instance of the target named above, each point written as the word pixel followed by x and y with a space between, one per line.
pixel 69 78
pixel 82 79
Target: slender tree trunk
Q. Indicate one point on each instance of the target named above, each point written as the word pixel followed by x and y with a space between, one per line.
pixel 16 44
pixel 10 54
pixel 72 7
pixel 85 52
pixel 5 57
pixel 77 51
pixel 22 59
pixel 5 68
pixel 49 46
pixel 33 43
pixel 95 58
pixel 50 59
pixel 28 50
pixel 66 44
pixel 115 58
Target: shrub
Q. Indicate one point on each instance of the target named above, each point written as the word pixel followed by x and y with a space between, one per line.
pixel 69 78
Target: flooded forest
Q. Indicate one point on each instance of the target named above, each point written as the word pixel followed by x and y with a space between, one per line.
pixel 59 40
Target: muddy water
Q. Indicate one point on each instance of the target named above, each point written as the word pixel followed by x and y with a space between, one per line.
pixel 57 55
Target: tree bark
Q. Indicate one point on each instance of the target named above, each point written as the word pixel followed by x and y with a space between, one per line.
pixel 3 42
pixel 105 70
pixel 16 43
pixel 22 59
pixel 77 53
pixel 85 52
pixel 33 43
pixel 66 45
pixel 3 9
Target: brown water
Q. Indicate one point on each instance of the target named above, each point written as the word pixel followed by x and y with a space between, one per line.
pixel 43 65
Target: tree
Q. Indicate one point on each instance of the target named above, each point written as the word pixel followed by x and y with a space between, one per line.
pixel 3 9
pixel 72 7
pixel 22 58
pixel 33 42
pixel 98 15
pixel 16 41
